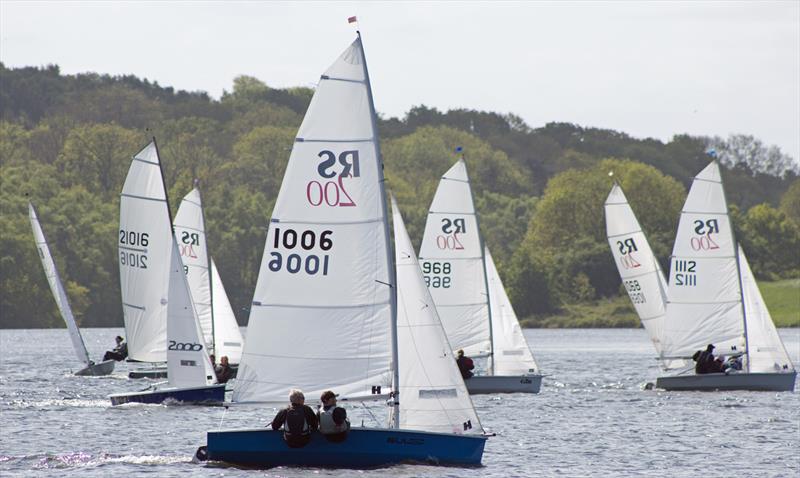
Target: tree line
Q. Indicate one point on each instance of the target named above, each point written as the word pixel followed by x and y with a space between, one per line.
pixel 66 142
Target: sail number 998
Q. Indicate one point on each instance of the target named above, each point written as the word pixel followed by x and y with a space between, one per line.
pixel 294 263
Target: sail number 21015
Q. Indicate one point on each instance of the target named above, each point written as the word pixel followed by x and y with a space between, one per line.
pixel 298 259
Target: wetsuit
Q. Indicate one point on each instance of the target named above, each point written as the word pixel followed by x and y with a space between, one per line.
pixel 224 373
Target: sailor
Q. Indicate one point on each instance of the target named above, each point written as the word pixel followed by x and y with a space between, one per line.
pixel 223 371
pixel 120 352
pixel 298 420
pixel 707 363
pixel 333 422
pixel 465 365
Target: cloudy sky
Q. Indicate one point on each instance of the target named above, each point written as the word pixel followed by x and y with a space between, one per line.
pixel 649 69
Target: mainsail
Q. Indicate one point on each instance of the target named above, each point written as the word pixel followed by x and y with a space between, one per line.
pixel 217 321
pixel 512 356
pixel 638 267
pixel 188 364
pixel 57 287
pixel 433 396
pixel 452 262
pixel 145 242
pixel 704 295
pixel 322 312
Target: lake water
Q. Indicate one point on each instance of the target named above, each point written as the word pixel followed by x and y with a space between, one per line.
pixel 591 418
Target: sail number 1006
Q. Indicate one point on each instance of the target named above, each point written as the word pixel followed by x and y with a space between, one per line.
pixel 300 261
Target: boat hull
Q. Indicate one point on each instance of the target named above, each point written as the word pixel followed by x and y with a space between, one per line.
pixel 208 395
pixel 97 369
pixel 161 372
pixel 363 448
pixel 773 382
pixel 148 372
pixel 480 384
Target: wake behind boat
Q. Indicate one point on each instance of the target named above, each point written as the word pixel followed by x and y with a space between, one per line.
pixel 338 246
pixel 713 299
pixel 469 294
pixel 60 295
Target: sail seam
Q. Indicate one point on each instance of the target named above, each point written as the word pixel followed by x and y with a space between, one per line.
pixel 142 197
pixel 133 306
pixel 624 234
pixel 293 306
pixel 345 223
pixel 358 140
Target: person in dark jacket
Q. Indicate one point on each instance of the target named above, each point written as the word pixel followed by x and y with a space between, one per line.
pixel 706 362
pixel 333 422
pixel 298 420
pixel 120 352
pixel 465 365
pixel 223 371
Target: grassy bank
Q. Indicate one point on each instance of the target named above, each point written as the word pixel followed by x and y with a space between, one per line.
pixel 782 298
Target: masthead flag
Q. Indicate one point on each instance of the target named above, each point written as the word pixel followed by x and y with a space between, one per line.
pixel 351 19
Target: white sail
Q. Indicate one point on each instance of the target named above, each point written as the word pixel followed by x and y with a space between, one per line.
pixel 228 341
pixel 451 256
pixel 321 316
pixel 145 242
pixel 433 396
pixel 188 364
pixel 638 268
pixel 704 298
pixel 512 356
pixel 766 352
pixel 190 232
pixel 57 287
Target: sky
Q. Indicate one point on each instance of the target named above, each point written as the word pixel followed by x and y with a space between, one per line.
pixel 649 69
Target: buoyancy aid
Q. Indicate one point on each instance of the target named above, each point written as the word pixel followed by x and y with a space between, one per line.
pixel 327 425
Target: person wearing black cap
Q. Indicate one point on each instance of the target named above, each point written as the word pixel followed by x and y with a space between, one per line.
pixel 333 422
pixel 120 352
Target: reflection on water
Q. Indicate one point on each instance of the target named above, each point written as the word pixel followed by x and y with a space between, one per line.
pixel 593 417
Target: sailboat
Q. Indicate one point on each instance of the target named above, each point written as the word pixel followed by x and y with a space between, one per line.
pixel 217 321
pixel 639 269
pixel 713 298
pixel 191 377
pixel 325 312
pixel 469 295
pixel 60 295
pixel 144 257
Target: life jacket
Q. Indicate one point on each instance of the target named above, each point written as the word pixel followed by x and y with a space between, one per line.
pixel 296 424
pixel 327 425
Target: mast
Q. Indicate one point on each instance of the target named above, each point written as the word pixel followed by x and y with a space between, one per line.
pixel 391 267
pixel 738 265
pixel 208 265
pixel 485 275
pixel 164 184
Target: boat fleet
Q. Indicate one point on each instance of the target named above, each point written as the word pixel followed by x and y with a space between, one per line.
pixel 343 301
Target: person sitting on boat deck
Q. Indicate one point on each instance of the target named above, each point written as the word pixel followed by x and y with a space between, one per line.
pixel 706 362
pixel 734 363
pixel 120 352
pixel 465 365
pixel 333 422
pixel 223 371
pixel 298 420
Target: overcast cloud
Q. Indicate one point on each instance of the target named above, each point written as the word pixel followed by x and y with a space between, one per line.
pixel 648 69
